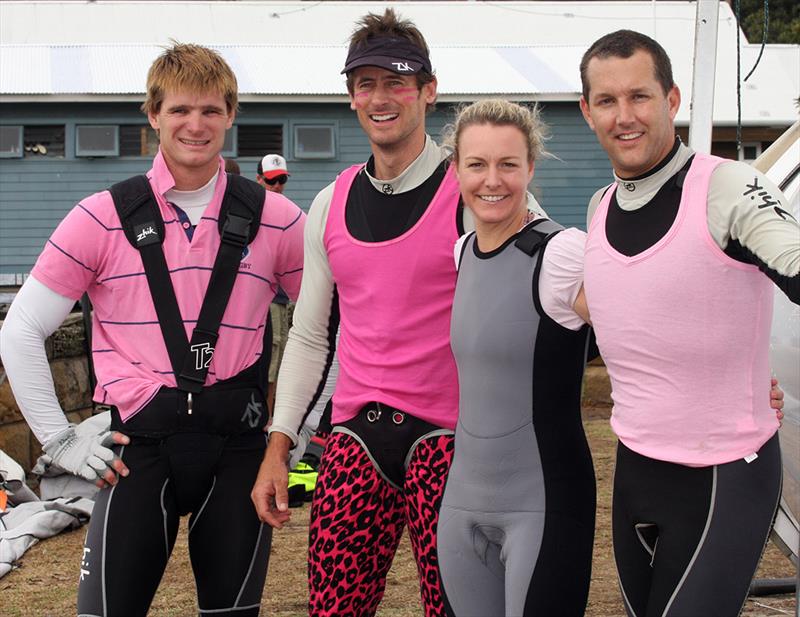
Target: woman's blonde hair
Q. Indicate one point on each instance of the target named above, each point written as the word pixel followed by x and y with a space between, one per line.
pixel 500 112
pixel 191 68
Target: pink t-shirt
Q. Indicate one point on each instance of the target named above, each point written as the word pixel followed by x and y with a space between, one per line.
pixel 684 332
pixel 395 300
pixel 89 252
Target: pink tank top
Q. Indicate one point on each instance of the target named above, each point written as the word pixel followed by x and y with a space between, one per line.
pixel 684 332
pixel 395 299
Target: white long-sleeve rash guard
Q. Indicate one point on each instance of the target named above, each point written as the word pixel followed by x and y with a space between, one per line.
pixel 37 312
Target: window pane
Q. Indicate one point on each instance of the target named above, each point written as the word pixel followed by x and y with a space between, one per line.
pixel 313 142
pixel 137 140
pixel 228 148
pixel 44 141
pixel 259 139
pixel 750 151
pixel 96 140
pixel 10 141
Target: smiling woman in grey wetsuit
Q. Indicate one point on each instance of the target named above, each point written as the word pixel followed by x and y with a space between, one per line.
pixel 517 520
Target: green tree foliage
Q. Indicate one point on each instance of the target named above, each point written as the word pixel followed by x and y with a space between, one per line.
pixel 784 20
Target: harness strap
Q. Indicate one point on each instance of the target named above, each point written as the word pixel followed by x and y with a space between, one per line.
pixel 239 219
pixel 538 233
pixel 141 219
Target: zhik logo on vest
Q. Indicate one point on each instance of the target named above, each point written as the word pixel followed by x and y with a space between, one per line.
pixel 146 233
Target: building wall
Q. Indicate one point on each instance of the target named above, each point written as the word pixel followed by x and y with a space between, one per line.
pixel 36 193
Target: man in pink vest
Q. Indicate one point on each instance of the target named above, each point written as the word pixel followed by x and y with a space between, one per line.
pixel 379 260
pixel 180 358
pixel 681 256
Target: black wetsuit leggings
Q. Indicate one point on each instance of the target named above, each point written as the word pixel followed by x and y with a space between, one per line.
pixel 687 540
pixel 134 525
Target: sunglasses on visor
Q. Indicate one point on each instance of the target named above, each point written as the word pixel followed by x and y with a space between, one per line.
pixel 277 180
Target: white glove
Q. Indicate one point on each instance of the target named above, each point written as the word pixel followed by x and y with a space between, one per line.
pixel 86 456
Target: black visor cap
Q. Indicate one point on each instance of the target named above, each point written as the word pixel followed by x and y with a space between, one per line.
pixel 393 54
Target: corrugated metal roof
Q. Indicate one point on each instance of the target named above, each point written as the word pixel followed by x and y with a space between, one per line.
pixel 330 22
pixel 122 69
pixel 82 51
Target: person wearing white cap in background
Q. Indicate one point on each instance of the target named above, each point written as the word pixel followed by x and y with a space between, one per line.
pixel 272 173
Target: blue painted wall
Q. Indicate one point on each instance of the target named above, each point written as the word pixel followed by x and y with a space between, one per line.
pixel 36 193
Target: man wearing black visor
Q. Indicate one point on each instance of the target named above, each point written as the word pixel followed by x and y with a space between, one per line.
pixel 379 258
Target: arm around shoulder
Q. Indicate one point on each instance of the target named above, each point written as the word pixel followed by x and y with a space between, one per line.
pixel 561 279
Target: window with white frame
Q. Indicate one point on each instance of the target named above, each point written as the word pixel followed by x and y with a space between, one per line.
pixel 10 142
pixel 96 140
pixel 314 141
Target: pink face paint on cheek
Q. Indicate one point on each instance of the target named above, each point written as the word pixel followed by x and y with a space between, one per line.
pixel 407 95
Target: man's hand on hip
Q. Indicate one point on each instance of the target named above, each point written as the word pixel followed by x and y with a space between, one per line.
pixel 88 456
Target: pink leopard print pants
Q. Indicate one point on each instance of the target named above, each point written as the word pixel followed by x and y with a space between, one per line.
pixel 357 520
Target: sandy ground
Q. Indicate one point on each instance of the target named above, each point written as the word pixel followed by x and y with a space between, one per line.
pixel 45 584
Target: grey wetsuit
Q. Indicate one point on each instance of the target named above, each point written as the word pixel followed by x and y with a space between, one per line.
pixel 516 524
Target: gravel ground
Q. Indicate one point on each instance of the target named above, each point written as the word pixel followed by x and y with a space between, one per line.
pixel 45 584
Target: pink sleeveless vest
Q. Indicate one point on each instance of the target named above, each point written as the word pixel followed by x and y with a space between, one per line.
pixel 684 332
pixel 395 299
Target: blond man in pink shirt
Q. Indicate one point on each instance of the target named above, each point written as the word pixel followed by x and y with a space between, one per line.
pixel 174 446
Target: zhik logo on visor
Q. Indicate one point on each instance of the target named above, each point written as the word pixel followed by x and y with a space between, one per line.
pixel 146 233
pixel 402 66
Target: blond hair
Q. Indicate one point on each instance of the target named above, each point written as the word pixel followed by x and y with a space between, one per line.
pixel 500 112
pixel 192 68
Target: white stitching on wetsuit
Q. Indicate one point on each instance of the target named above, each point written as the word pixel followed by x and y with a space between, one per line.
pixel 711 505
